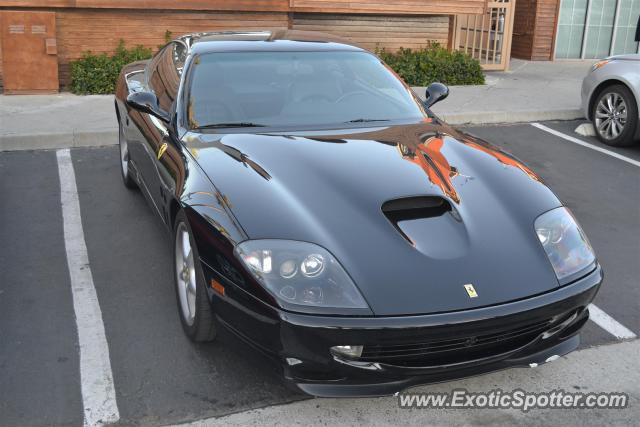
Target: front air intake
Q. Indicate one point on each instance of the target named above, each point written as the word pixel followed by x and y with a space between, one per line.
pixel 409 208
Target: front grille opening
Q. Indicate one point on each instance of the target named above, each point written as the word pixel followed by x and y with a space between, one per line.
pixel 441 352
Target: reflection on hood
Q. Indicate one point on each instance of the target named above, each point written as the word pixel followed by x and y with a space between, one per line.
pixel 429 157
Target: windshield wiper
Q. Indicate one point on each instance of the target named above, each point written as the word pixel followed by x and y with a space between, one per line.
pixel 367 120
pixel 232 125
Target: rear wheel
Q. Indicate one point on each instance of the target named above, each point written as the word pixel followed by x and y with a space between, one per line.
pixel 195 310
pixel 125 170
pixel 615 116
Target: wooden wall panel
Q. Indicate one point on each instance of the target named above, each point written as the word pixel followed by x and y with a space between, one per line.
pixel 523 27
pixel 370 31
pixel 534 29
pixel 37 3
pixel 99 30
pixel 391 7
pixel 333 6
pixel 546 22
pixel 235 5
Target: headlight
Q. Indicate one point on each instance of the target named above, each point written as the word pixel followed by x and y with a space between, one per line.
pixel 564 242
pixel 300 275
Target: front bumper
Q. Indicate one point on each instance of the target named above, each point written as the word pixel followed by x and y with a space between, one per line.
pixel 302 344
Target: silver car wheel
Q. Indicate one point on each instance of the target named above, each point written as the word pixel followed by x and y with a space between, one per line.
pixel 124 152
pixel 185 274
pixel 611 115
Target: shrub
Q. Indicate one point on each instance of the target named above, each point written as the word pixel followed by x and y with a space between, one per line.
pixel 434 64
pixel 97 74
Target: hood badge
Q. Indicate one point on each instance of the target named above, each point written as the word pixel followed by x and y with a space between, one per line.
pixel 471 291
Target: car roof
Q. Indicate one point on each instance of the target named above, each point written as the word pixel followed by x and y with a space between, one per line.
pixel 266 40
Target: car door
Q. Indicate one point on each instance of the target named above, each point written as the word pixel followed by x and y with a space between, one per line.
pixel 161 78
pixel 169 163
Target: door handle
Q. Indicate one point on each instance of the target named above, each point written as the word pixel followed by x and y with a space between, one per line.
pixel 162 149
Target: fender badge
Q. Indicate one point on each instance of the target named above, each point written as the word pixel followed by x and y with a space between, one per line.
pixel 162 149
pixel 471 290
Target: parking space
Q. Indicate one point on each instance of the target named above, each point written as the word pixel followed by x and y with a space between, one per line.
pixel 604 194
pixel 159 376
pixel 38 340
pixel 568 128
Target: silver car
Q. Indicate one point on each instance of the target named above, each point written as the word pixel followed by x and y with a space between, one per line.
pixel 610 98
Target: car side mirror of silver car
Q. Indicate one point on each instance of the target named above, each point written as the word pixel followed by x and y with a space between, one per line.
pixel 436 92
pixel 147 102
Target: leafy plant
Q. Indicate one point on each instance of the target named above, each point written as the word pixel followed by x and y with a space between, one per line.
pixel 168 36
pixel 97 74
pixel 434 64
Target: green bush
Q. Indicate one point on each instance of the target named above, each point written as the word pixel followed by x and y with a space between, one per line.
pixel 434 64
pixel 97 74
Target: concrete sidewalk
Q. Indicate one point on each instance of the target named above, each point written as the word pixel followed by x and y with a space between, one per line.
pixel 531 91
pixel 56 121
pixel 585 371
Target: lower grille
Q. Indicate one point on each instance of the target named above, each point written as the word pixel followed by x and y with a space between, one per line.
pixel 456 350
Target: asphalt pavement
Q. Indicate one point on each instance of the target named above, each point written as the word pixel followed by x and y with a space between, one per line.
pixel 161 378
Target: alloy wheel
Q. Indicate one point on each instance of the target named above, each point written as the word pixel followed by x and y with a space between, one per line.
pixel 124 153
pixel 611 116
pixel 185 274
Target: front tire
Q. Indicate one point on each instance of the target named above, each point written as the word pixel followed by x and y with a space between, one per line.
pixel 125 169
pixel 615 116
pixel 196 314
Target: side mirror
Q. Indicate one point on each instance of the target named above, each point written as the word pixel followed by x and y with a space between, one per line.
pixel 436 92
pixel 147 102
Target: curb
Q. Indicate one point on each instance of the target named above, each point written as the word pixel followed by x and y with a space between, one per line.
pixel 50 141
pixel 495 117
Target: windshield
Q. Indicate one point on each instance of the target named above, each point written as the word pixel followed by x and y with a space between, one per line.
pixel 243 89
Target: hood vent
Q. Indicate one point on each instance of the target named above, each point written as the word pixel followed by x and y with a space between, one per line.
pixel 424 223
pixel 409 208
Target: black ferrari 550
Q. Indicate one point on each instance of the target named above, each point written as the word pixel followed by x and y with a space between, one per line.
pixel 321 212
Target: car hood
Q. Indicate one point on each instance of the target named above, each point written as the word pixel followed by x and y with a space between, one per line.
pixel 329 188
pixel 627 57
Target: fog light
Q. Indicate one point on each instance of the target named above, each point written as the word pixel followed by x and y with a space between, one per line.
pixel 347 350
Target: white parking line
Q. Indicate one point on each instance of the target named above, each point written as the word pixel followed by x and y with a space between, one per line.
pixel 585 144
pixel 98 391
pixel 609 324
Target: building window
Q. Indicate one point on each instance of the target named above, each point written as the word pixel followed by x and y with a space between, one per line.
pixel 626 28
pixel 571 28
pixel 593 29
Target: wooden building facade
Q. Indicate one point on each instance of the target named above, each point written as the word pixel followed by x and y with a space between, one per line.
pixel 39 38
pixel 61 30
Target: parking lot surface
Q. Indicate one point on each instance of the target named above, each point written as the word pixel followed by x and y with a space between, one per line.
pixel 158 375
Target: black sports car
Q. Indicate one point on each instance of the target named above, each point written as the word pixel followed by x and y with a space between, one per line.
pixel 322 213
